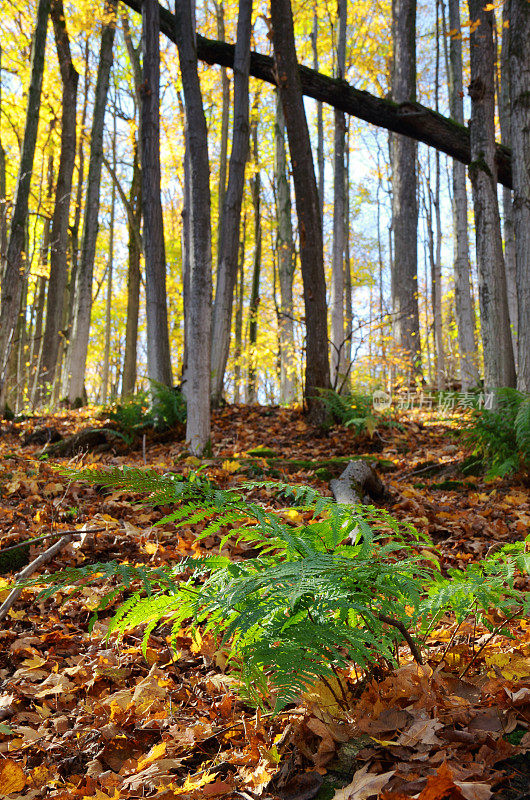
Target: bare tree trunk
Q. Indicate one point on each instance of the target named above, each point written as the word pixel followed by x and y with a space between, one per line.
pixel 13 272
pixel 519 33
pixel 285 260
pixel 238 323
pixel 307 206
pixel 61 213
pixel 320 120
pixel 110 274
pixel 158 350
pixel 508 226
pixel 465 318
pixel 348 293
pixel 133 282
pixel 253 307
pixel 200 306
pixel 77 352
pixel 225 114
pixel 231 213
pixel 337 338
pixel 437 288
pixel 404 189
pixel 3 198
pixel 499 367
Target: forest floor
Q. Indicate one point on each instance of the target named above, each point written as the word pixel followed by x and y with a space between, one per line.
pixel 84 717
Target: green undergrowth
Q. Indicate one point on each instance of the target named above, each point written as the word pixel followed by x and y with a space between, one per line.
pixel 328 585
pixel 161 409
pixel 500 437
pixel 356 410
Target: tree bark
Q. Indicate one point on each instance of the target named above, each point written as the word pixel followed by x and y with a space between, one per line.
pixel 409 119
pixel 499 367
pixel 105 373
pixel 133 282
pixel 228 244
pixel 77 351
pixel 158 350
pixel 285 260
pixel 13 271
pixel 3 198
pixel 465 317
pixel 508 228
pixel 225 114
pixel 307 206
pixel 320 120
pixel 238 322
pixel 61 213
pixel 253 306
pixel 337 338
pixel 404 190
pixel 200 306
pixel 520 132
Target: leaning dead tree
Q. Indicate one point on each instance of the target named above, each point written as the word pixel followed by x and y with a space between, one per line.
pixel 410 119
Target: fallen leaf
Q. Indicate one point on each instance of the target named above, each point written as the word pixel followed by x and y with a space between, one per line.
pixel 12 777
pixel 364 784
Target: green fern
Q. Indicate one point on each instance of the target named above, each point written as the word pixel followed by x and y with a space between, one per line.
pixel 501 436
pixel 316 597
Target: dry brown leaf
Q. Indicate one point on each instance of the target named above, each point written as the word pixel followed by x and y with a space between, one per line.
pixel 364 784
pixel 12 777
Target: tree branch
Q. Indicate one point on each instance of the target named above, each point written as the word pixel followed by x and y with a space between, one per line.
pixel 410 119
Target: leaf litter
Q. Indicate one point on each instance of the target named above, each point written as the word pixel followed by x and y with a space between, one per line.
pixel 81 717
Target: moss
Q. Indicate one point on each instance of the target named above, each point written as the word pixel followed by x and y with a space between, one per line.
pixel 262 452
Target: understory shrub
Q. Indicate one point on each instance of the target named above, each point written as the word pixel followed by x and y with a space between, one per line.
pixel 162 410
pixel 500 437
pixel 347 586
pixel 355 410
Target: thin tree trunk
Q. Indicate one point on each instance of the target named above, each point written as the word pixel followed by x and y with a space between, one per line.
pixel 437 288
pixel 337 338
pixel 13 272
pixel 133 282
pixel 200 305
pixel 520 131
pixel 158 350
pixel 225 113
pixel 307 205
pixel 285 260
pixel 61 213
pixel 404 190
pixel 110 274
pixel 238 323
pixel 320 120
pixel 508 225
pixel 3 197
pixel 253 307
pixel 348 295
pixel 499 367
pixel 77 352
pixel 231 212
pixel 465 317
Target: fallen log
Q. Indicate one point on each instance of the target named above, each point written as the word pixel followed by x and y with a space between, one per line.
pixel 358 484
pixel 410 119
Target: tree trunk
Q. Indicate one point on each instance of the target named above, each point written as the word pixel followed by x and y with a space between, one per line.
pixel 320 120
pixel 105 373
pixel 465 317
pixel 231 212
pixel 410 119
pixel 437 288
pixel 13 271
pixel 158 350
pixel 77 352
pixel 225 114
pixel 285 260
pixel 200 306
pixel 3 198
pixel 307 206
pixel 404 190
pixel 520 131
pixel 337 338
pixel 253 307
pixel 499 368
pixel 61 213
pixel 505 124
pixel 238 322
pixel 133 282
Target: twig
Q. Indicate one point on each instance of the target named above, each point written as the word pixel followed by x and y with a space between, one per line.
pixel 488 640
pixel 48 536
pixel 30 569
pixel 406 635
